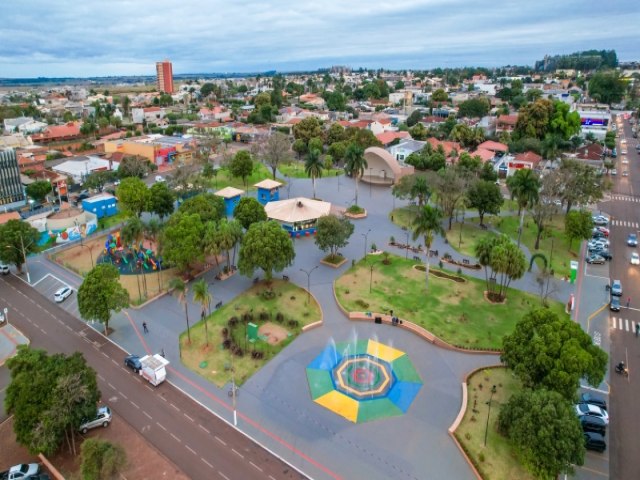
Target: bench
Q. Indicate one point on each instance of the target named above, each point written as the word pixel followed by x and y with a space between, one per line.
pixel 433 253
pixel 219 304
pixel 285 278
pixel 416 258
pixel 465 261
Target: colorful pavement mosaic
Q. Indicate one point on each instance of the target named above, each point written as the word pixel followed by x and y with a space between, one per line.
pixel 363 380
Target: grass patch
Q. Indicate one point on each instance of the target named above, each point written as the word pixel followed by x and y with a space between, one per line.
pixel 471 233
pixel 288 299
pixel 456 312
pixel 403 216
pixel 553 233
pixel 333 259
pixel 355 209
pixel 225 179
pixel 295 169
pixel 107 222
pixel 496 461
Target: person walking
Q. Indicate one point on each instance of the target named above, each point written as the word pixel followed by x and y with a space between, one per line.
pixel 637 329
pixel 144 327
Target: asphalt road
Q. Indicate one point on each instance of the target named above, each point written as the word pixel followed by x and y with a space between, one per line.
pixel 625 211
pixel 200 444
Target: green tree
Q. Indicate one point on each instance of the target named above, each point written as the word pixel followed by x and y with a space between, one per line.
pixel 336 133
pixel 469 163
pixel 307 129
pixel 133 195
pixel 299 147
pixel 553 352
pixel 98 180
pixel 414 118
pixel 545 432
pixel 277 150
pixel 578 224
pixel 241 166
pixel 534 119
pixel 101 459
pixel 333 233
pixel 607 87
pixel 162 200
pixel 313 167
pixel 207 89
pixel 482 251
pixel 17 239
pixel 564 122
pixel 508 263
pixel 208 206
pixel 202 296
pixel 249 211
pixel 488 173
pixel 49 396
pixel 355 164
pixel 268 246
pixel 180 289
pixel 133 166
pixel 581 184
pixel 101 294
pixel 38 190
pixel 450 186
pixel 182 240
pixel 440 96
pixel 474 108
pixel 485 197
pixel 227 235
pixel 427 224
pixel 524 187
pixel 420 190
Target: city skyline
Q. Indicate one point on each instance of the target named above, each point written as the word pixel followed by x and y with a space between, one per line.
pixel 57 39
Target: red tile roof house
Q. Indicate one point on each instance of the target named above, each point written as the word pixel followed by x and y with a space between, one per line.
pixel 447 146
pixel 591 154
pixel 57 133
pixel 387 138
pixel 506 123
pixel 432 121
pixel 484 154
pixel 495 147
pixel 528 160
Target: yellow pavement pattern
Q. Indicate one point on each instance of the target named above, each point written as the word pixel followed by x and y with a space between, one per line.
pixel 341 404
pixel 383 352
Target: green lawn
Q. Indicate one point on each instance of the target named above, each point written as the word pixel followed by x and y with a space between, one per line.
pixel 496 460
pixel 403 216
pixel 456 312
pixel 295 169
pixel 553 235
pixel 225 179
pixel 289 299
pixel 108 222
pixel 465 243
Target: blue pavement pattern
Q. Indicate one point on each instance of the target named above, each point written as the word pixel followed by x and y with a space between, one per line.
pixel 275 405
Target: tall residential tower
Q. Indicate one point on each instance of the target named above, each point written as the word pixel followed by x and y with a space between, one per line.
pixel 164 76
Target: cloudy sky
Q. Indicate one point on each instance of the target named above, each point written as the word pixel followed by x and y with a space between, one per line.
pixel 55 38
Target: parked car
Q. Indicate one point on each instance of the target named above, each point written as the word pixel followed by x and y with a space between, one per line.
pixel 600 220
pixel 62 294
pixel 588 409
pixel 635 258
pixel 594 441
pixel 102 419
pixel 593 400
pixel 616 288
pixel 598 241
pixel 595 259
pixel 614 171
pixel 133 362
pixel 20 471
pixel 604 230
pixel 590 423
pixel 606 254
pixel 4 269
pixel 632 240
pixel 614 303
pixel 160 178
pixel 596 234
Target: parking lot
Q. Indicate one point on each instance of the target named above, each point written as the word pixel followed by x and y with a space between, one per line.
pixel 48 286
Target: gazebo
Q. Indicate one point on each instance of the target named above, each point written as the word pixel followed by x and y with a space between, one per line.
pixel 298 216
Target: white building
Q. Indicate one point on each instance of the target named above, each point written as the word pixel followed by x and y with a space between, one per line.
pixel 24 125
pixel 80 167
pixel 594 121
pixel 149 114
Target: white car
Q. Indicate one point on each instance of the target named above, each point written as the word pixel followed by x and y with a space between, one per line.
pixel 588 409
pixel 623 141
pixel 625 161
pixel 623 151
pixel 160 178
pixel 635 259
pixel 603 242
pixel 614 172
pixel 62 294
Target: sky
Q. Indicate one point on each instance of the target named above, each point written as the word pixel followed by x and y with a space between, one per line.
pixel 63 38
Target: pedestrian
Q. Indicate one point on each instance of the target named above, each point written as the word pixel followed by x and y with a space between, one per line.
pixel 144 327
pixel 637 329
pixel 162 353
pixel 628 301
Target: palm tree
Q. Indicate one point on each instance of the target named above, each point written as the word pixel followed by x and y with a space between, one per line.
pixel 313 167
pixel 428 223
pixel 228 234
pixel 420 190
pixel 180 288
pixel 524 186
pixel 355 163
pixel 202 296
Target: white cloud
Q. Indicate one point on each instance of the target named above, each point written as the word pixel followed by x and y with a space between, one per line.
pixel 64 38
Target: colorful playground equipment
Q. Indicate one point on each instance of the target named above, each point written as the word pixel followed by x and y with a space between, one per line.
pixel 128 258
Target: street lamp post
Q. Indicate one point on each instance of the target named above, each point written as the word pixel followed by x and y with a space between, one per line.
pixel 486 428
pixel 406 253
pixel 309 272
pixel 370 276
pixel 365 235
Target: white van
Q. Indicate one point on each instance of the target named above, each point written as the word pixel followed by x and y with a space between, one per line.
pixel 4 269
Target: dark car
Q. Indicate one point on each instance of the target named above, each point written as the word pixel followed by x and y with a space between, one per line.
pixel 593 400
pixel 594 441
pixel 614 304
pixel 594 424
pixel 598 234
pixel 133 362
pixel 595 259
pixel 606 254
pixel 632 240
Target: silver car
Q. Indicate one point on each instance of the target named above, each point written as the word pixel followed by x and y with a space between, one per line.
pixel 102 419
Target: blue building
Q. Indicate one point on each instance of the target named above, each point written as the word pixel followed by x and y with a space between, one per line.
pixel 231 198
pixel 103 205
pixel 268 191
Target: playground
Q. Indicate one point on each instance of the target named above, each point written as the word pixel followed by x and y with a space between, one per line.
pixel 130 259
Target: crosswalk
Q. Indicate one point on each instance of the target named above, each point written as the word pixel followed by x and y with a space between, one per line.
pixel 623 324
pixel 624 223
pixel 625 198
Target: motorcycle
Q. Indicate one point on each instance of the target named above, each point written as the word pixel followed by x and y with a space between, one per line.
pixel 622 370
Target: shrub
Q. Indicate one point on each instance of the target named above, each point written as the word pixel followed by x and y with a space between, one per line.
pixel 293 323
pixel 268 294
pixel 247 317
pixel 226 344
pixel 225 332
pixel 374 247
pixel 232 322
pixel 101 459
pixel 279 317
pixel 362 303
pixel 264 315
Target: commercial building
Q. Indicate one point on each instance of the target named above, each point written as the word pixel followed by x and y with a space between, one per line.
pixel 164 76
pixel 12 194
pixel 158 149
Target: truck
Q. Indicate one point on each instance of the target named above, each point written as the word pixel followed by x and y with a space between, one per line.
pixel 153 369
pixel 18 472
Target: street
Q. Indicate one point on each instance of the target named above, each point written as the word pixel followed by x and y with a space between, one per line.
pixel 202 445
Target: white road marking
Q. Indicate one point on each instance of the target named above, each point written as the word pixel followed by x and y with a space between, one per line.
pixel 161 426
pixel 201 458
pixel 114 388
pixel 204 429
pixel 225 477
pixel 220 440
pixel 626 324
pixel 176 438
pixel 132 403
pixel 237 453
pixel 190 449
pixel 188 417
pixel 174 406
pixel 255 466
pixel 147 415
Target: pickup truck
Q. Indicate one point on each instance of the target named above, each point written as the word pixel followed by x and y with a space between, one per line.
pixel 18 472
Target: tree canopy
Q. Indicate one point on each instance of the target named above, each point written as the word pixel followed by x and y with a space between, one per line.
pixel 49 397
pixel 553 352
pixel 503 261
pixel 241 165
pixel 38 190
pixel 101 459
pixel 207 205
pixel 101 294
pixel 276 151
pixel 133 195
pixel 307 128
pixel 133 166
pixel 486 197
pixel 268 246
pixel 578 224
pixel 182 240
pixel 249 211
pixel 607 87
pixel 162 199
pixel 333 233
pixel 14 235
